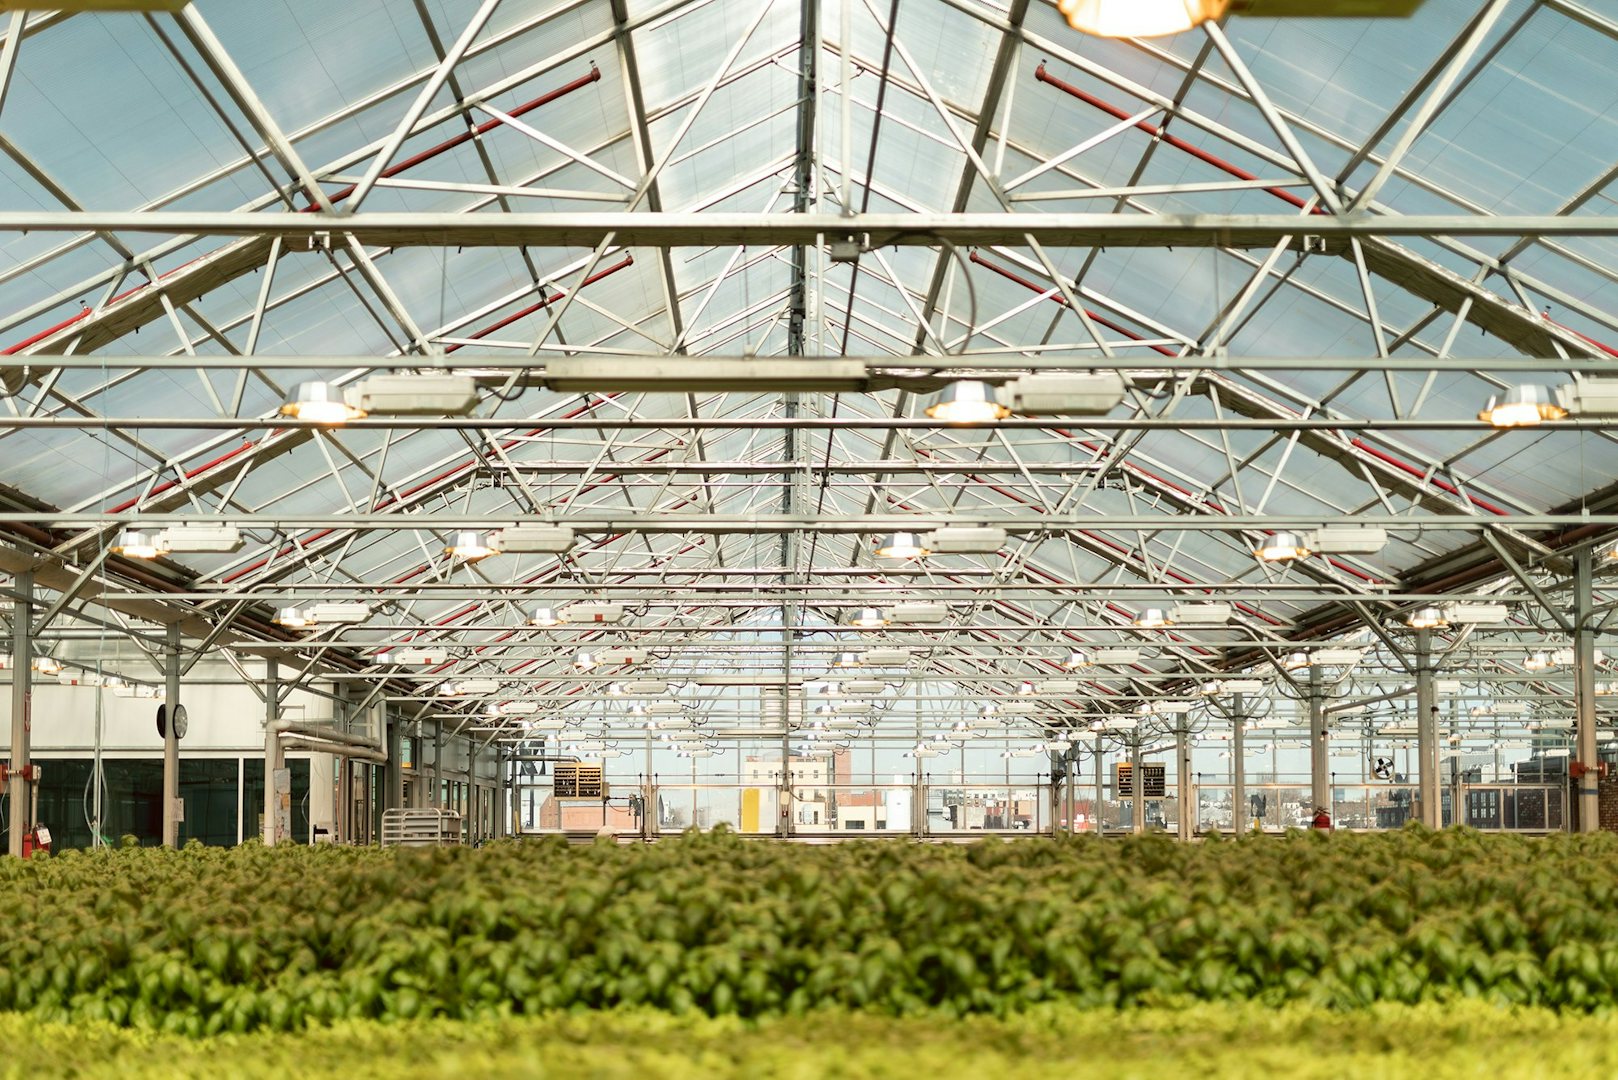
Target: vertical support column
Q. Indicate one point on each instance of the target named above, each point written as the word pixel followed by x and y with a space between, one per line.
pixel 1584 693
pixel 172 807
pixel 783 823
pixel 1319 748
pixel 275 830
pixel 1055 797
pixel 1182 782
pixel 1137 789
pixel 22 674
pixel 1432 814
pixel 438 799
pixel 1240 815
pixel 1101 780
pixel 648 797
pixel 1070 790
pixel 502 790
pixel 342 790
pixel 393 771
pixel 1240 819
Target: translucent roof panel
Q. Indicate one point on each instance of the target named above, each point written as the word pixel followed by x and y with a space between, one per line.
pixel 699 108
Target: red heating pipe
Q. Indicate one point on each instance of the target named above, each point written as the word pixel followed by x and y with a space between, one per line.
pixel 629 260
pixel 1171 140
pixel 467 136
pixel 1225 166
pixel 392 171
pixel 1358 443
pixel 1164 350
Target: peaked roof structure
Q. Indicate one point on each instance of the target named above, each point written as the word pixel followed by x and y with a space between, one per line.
pixel 655 235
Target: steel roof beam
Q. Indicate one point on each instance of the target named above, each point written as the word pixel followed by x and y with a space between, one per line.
pixel 646 229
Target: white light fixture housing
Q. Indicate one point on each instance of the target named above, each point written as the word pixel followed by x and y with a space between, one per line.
pixel 1526 405
pixel 864 687
pixel 1199 614
pixel 47 665
pixel 1153 618
pixel 416 395
pixel 1592 397
pixel 919 613
pixel 534 539
pixel 1337 657
pixel 968 401
pixel 1077 660
pixel 1244 686
pixel 1027 689
pixel 1079 393
pixel 139 544
pixel 293 617
pixel 1479 613
pixel 886 657
pixel 1427 618
pixel 202 538
pixel 592 611
pixel 900 545
pixel 848 660
pixel 337 611
pixel 1211 688
pixel 646 687
pixel 544 616
pixel 622 656
pixel 1282 546
pixel 585 661
pixel 1348 540
pixel 472 545
pixel 1117 656
pixel 321 403
pixel 1538 661
pixel 468 687
pixel 964 540
pixel 1295 660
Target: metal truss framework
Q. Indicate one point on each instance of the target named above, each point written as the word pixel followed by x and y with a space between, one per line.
pixel 554 185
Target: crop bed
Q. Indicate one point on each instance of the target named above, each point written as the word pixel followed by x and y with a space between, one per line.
pixel 205 941
pixel 1225 1041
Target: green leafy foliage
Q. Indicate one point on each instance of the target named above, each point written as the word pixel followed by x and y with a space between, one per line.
pixel 1236 1041
pixel 208 941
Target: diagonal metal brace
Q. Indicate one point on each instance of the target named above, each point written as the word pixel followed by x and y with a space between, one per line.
pixel 1522 575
